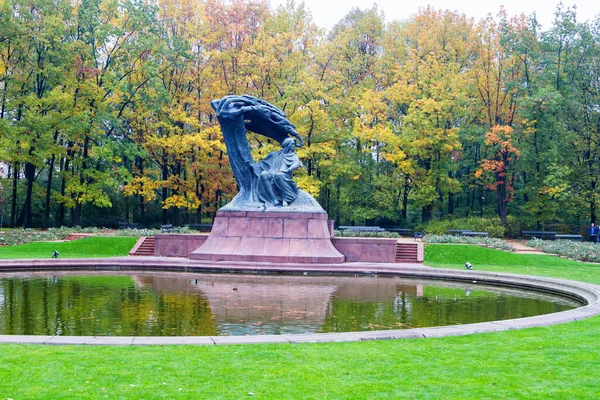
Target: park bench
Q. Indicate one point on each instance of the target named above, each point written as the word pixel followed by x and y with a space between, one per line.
pixel 540 234
pixel 128 225
pixel 169 228
pixel 569 237
pixel 359 229
pixel 400 231
pixel 458 231
pixel 471 233
pixel 419 235
pixel 200 227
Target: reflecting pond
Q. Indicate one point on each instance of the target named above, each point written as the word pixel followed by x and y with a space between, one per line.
pixel 175 304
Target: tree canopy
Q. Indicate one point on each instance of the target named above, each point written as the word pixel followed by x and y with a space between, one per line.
pixel 105 111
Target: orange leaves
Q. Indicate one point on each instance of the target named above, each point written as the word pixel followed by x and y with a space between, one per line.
pixel 502 151
pixel 490 165
pixel 501 137
pixel 502 155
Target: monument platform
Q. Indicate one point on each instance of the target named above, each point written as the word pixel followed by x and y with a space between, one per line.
pixel 269 236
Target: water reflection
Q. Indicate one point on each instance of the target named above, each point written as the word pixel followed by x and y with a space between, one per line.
pixel 163 304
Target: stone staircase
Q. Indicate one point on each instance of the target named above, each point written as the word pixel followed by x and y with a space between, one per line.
pixel 143 247
pixel 407 252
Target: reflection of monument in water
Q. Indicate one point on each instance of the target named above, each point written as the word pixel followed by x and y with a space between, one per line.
pixel 251 304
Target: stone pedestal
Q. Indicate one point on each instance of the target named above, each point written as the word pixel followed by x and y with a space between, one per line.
pixel 269 237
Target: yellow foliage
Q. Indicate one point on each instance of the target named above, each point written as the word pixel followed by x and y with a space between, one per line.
pixel 309 184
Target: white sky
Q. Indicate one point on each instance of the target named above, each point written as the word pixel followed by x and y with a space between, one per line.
pixel 327 13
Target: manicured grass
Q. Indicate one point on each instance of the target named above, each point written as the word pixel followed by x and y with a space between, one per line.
pixel 90 247
pixel 552 362
pixel 485 259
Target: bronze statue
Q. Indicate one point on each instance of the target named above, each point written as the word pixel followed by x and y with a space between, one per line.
pixel 268 182
pixel 275 183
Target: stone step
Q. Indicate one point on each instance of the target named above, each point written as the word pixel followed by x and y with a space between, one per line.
pixel 406 253
pixel 144 247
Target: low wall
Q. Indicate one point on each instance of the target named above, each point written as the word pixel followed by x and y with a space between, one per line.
pixel 177 244
pixel 381 250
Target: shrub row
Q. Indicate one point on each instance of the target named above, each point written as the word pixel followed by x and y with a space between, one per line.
pixel 12 237
pixel 493 226
pixel 582 251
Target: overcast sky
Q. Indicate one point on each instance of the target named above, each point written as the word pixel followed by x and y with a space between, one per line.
pixel 327 13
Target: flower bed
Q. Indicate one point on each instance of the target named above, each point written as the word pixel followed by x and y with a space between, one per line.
pixel 384 234
pixel 19 236
pixel 486 241
pixel 582 251
pixel 139 232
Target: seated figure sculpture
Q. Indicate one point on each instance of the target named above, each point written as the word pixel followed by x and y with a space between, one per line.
pixel 267 183
pixel 275 185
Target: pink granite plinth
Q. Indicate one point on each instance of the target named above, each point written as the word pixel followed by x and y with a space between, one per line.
pixel 269 237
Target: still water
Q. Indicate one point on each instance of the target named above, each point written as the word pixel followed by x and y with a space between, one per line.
pixel 163 304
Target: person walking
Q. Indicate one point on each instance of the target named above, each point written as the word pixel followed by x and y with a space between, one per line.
pixel 593 232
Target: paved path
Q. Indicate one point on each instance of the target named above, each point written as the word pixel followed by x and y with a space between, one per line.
pixel 521 248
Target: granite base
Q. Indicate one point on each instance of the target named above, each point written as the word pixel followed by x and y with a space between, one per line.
pixel 269 237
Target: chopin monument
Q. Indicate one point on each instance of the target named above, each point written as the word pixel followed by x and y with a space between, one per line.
pixel 270 219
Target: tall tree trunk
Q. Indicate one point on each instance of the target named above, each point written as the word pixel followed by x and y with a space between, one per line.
pixel 82 181
pixel 64 168
pixel 404 213
pixel 426 213
pixel 49 187
pixel 13 201
pixel 140 166
pixel 126 201
pixel 142 211
pixel 481 201
pixel 25 218
pixel 165 176
pixel 48 193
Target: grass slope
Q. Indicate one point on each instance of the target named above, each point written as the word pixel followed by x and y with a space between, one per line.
pixel 552 362
pixel 485 259
pixel 90 247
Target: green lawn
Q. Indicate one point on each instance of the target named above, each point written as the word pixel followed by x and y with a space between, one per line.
pixel 90 247
pixel 485 259
pixel 539 363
